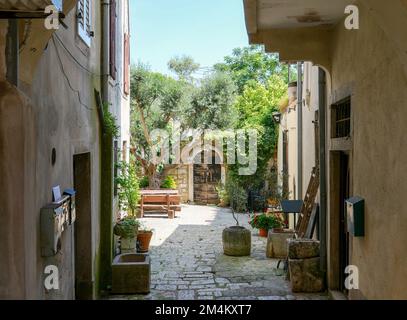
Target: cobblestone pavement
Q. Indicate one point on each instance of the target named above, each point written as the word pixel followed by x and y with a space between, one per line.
pixel 188 262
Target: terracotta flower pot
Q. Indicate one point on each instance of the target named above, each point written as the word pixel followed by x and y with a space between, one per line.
pixel 144 238
pixel 263 233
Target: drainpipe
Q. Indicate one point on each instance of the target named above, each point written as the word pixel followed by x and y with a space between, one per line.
pixel 12 52
pixel 105 49
pixel 106 174
pixel 299 131
pixel 322 169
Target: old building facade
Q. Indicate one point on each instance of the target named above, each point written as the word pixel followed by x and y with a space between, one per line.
pixel 360 90
pixel 54 83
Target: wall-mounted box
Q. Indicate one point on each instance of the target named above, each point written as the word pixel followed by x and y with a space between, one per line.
pixel 355 210
pixel 72 204
pixel 52 221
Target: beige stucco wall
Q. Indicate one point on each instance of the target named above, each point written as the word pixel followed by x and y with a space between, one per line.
pixel 44 113
pixel 369 65
pixel 289 123
pixel 366 65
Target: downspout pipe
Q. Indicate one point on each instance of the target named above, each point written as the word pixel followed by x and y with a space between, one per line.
pixel 12 52
pixel 322 169
pixel 299 131
pixel 105 49
pixel 106 178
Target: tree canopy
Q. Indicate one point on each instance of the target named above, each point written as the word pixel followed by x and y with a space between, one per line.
pixel 184 67
pixel 252 65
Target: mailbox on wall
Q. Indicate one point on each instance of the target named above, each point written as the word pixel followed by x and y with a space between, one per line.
pixel 72 209
pixel 52 221
pixel 355 209
pixel 55 218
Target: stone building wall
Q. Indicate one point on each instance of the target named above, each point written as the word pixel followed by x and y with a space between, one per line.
pixel 180 173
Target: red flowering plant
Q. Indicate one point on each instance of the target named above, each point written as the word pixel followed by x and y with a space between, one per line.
pixel 267 221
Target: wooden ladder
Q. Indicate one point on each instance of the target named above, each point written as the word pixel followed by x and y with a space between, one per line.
pixel 307 206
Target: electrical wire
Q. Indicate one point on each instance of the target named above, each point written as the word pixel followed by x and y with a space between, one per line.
pixel 68 80
pixel 118 84
pixel 74 59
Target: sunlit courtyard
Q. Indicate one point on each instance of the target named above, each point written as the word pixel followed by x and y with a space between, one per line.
pixel 187 261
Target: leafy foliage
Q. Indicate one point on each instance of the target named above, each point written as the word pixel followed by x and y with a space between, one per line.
pixel 144 183
pixel 266 222
pixel 251 65
pixel 255 108
pixel 128 187
pixel 211 105
pixel 184 67
pixel 169 183
pixel 223 195
pixel 156 99
pixel 110 122
pixel 126 228
pixel 237 195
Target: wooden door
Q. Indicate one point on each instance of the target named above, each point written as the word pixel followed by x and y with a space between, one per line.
pixel 206 178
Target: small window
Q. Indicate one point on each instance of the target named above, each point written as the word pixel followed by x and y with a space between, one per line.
pixel 341 116
pixel 84 20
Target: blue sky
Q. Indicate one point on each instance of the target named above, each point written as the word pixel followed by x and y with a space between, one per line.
pixel 207 30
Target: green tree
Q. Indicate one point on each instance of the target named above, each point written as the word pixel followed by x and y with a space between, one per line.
pixel 252 65
pixel 155 100
pixel 211 105
pixel 184 67
pixel 255 108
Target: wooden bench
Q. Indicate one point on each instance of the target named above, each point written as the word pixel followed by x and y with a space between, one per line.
pixel 166 203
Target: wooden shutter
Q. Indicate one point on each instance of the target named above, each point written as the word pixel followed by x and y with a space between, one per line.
pixel 113 39
pixel 126 67
pixel 84 20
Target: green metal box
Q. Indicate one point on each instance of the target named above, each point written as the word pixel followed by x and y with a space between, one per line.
pixel 355 210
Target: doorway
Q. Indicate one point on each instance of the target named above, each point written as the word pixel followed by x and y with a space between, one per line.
pixel 84 284
pixel 344 179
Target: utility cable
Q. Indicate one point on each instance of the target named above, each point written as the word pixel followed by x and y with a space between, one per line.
pixel 69 81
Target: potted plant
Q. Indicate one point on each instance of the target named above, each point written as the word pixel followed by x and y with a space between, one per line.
pixel 236 239
pixel 265 222
pixel 144 236
pixel 129 196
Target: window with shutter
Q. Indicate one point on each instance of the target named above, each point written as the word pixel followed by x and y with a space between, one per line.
pixel 126 67
pixel 113 20
pixel 84 20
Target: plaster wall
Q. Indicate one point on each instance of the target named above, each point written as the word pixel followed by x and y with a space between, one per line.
pixel 42 114
pixel 367 66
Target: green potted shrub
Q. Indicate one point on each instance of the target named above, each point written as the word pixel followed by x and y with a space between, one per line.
pixel 264 223
pixel 129 196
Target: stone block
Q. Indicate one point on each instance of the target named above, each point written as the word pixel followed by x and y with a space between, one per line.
pixel 131 274
pixel 303 248
pixel 236 241
pixel 306 275
pixel 277 246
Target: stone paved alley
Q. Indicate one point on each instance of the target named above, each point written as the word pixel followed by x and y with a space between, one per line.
pixel 188 262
